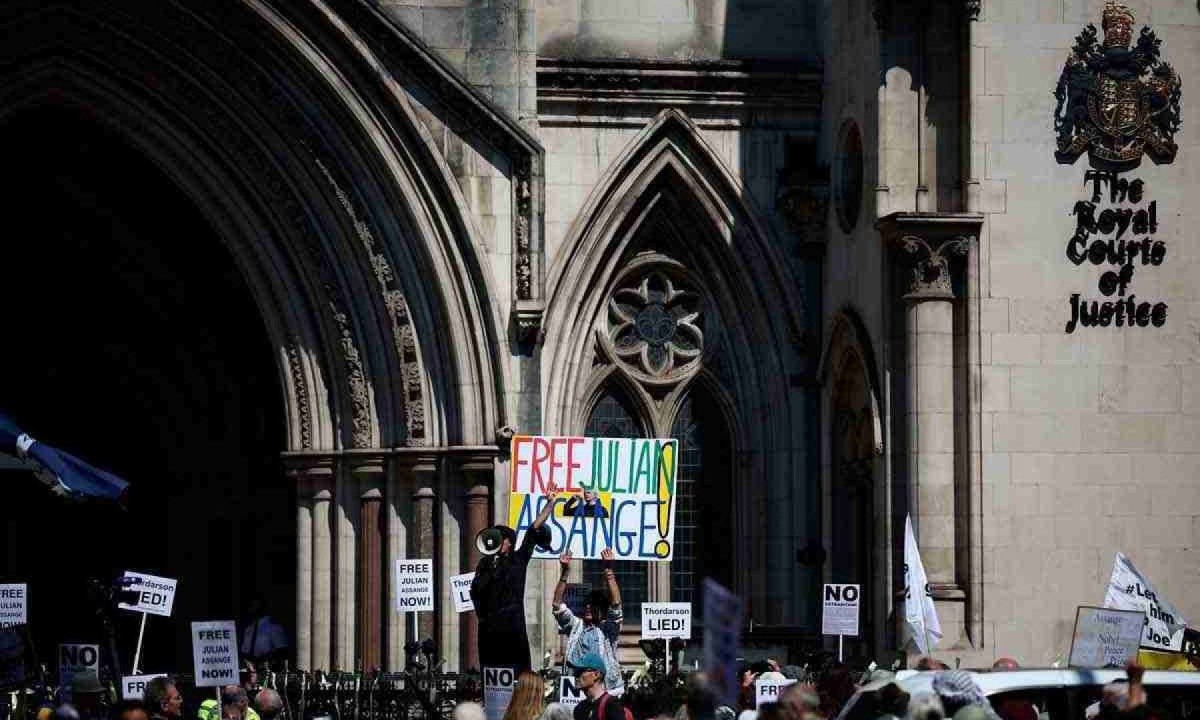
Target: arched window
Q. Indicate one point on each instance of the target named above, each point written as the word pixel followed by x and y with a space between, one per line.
pixel 613 417
pixel 704 516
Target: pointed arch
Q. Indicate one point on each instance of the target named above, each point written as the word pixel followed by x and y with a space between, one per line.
pixel 668 201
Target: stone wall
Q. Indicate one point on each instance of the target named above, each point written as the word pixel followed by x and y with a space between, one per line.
pixel 1090 438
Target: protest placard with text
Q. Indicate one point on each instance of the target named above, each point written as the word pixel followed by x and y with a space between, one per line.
pixel 460 591
pixel 498 686
pixel 77 658
pixel 155 595
pixel 14 604
pixel 414 586
pixel 215 653
pixel 616 493
pixel 1105 637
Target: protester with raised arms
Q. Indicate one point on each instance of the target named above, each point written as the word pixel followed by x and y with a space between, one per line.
pixel 598 631
pixel 498 590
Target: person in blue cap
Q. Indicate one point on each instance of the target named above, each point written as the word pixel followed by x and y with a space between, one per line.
pixel 498 592
pixel 597 704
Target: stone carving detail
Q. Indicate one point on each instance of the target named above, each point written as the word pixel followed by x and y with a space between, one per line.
pixel 411 374
pixel 356 378
pixel 300 386
pixel 1116 102
pixel 929 265
pixel 974 7
pixel 523 262
pixel 655 326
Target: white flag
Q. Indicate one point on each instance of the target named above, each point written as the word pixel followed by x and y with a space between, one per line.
pixel 920 617
pixel 1128 589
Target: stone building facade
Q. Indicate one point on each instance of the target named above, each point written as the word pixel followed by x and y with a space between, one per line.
pixel 840 227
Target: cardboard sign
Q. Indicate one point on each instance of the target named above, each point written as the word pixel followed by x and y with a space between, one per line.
pixel 498 685
pixel 616 493
pixel 460 590
pixel 722 634
pixel 215 653
pixel 769 691
pixel 662 621
pixel 569 693
pixel 156 595
pixel 133 687
pixel 1105 637
pixel 14 604
pixel 75 659
pixel 839 613
pixel 414 586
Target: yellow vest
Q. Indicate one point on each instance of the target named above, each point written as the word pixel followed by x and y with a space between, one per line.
pixel 210 709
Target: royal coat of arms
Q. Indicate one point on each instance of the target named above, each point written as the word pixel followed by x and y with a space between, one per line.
pixel 1116 101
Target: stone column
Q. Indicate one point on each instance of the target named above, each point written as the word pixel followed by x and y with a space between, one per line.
pixel 346 522
pixel 304 566
pixel 399 515
pixel 370 476
pixel 930 250
pixel 478 515
pixel 322 568
pixel 425 531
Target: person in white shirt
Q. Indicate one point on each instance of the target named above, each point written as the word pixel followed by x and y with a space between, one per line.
pixel 599 630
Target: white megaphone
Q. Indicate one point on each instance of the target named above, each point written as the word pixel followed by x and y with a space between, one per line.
pixel 488 540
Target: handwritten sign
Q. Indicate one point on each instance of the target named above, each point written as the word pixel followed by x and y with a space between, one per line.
pixel 1105 637
pixel 215 653
pixel 617 493
pixel 14 604
pixel 460 590
pixel 156 595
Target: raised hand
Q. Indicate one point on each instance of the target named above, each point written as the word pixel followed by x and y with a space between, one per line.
pixel 607 555
pixel 565 558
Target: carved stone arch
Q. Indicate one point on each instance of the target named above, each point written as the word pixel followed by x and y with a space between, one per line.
pixel 855 494
pixel 602 380
pixel 354 242
pixel 669 175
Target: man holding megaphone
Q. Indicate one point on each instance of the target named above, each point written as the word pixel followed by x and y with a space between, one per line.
pixel 498 590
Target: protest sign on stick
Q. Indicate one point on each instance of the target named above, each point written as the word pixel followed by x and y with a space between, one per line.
pixel 155 596
pixel 615 493
pixel 839 612
pixel 498 685
pixel 14 604
pixel 215 653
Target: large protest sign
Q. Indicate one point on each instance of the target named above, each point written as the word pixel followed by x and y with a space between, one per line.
pixel 615 492
pixel 155 595
pixel 839 610
pixel 14 604
pixel 215 653
pixel 569 693
pixel 414 586
pixel 1128 589
pixel 769 691
pixel 498 685
pixel 722 634
pixel 1105 637
pixel 133 687
pixel 460 591
pixel 76 659
pixel 663 621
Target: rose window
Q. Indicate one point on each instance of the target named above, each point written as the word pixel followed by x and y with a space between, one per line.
pixel 655 326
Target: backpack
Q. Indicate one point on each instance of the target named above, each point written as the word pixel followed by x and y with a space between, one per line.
pixel 600 710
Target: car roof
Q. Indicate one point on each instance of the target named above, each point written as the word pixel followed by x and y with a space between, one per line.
pixel 993 682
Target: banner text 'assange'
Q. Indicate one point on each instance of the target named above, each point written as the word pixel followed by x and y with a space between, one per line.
pixel 614 492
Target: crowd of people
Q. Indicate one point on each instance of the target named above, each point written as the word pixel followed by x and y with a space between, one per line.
pixel 162 700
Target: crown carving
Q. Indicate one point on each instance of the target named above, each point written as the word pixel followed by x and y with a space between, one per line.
pixel 1118 25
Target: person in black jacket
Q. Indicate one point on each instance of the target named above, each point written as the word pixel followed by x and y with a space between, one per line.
pixel 498 592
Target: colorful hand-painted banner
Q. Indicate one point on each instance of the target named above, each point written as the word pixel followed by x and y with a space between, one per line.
pixel 613 492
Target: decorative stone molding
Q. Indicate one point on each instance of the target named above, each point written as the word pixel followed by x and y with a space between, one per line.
pixel 974 7
pixel 930 245
pixel 300 389
pixel 753 83
pixel 655 324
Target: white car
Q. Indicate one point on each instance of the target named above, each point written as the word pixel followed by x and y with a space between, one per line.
pixel 1055 694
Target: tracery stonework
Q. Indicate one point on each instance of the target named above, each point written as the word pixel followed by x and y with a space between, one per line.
pixel 655 326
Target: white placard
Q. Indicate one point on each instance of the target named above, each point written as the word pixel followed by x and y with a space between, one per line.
pixel 156 595
pixel 75 659
pixel 215 653
pixel 662 621
pixel 722 634
pixel 1105 637
pixel 460 590
pixel 133 687
pixel 569 693
pixel 14 604
pixel 414 586
pixel 769 691
pixel 839 613
pixel 1128 589
pixel 498 685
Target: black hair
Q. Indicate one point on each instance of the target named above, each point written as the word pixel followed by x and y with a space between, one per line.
pixel 126 706
pixel 598 599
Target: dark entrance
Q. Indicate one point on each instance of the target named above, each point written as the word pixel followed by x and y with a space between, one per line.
pixel 131 339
